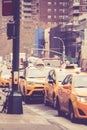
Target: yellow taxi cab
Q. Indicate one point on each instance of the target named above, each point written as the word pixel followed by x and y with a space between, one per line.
pixel 54 79
pixel 32 86
pixel 71 96
pixel 71 67
pixel 4 78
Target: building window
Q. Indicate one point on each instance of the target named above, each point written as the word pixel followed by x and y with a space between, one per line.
pixel 55 16
pixel 27 11
pixel 60 23
pixel 49 10
pixel 27 16
pixel 27 0
pixel 55 23
pixel 60 16
pixel 49 3
pixel 65 4
pixel 60 10
pixel 84 8
pixel 76 0
pixel 84 1
pixel 37 4
pixel 55 3
pixel 49 23
pixel 27 6
pixel 55 10
pixel 37 11
pixel 49 16
pixel 60 3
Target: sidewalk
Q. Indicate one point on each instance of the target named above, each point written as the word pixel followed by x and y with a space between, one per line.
pixel 29 120
pixel 25 121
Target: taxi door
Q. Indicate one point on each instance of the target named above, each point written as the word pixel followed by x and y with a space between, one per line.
pixel 64 93
pixel 51 84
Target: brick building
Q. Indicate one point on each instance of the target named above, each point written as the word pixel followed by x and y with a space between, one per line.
pixel 44 14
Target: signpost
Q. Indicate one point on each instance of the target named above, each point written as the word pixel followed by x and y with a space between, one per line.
pixel 15 98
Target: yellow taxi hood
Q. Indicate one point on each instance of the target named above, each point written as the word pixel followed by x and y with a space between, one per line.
pixel 36 80
pixel 81 91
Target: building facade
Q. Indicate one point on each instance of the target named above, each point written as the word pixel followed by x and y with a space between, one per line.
pixel 43 14
pixel 72 32
pixel 76 9
pixel 53 12
pixel 5 44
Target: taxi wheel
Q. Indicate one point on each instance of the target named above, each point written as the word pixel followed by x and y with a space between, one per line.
pixel 23 93
pixel 45 101
pixel 71 114
pixel 23 89
pixel 60 113
pixel 27 100
pixel 54 102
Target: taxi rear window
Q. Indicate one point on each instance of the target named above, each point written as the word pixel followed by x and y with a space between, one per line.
pixel 70 67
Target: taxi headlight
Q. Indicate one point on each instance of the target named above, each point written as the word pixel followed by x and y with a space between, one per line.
pixel 5 78
pixel 82 99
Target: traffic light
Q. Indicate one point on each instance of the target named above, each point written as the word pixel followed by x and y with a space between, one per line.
pixel 7 7
pixel 10 29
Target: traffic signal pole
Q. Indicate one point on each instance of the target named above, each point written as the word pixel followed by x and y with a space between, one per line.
pixel 15 97
pixel 16 46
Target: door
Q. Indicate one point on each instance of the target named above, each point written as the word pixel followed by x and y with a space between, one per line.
pixel 51 84
pixel 64 93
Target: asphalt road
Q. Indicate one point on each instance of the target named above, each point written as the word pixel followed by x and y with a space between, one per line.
pixel 37 116
pixel 48 114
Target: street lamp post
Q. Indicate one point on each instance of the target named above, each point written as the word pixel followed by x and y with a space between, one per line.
pixel 63 46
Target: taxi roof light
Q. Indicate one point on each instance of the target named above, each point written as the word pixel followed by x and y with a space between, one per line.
pixel 77 70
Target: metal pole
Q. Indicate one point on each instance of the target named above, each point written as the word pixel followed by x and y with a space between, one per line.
pixel 15 97
pixel 15 64
pixel 63 46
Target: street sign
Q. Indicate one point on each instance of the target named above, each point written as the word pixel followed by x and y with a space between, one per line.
pixel 7 9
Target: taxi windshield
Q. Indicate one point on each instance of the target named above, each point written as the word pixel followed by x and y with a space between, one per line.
pixel 36 73
pixel 62 74
pixel 81 81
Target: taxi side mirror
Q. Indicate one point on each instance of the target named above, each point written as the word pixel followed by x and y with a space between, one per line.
pixel 51 81
pixel 21 77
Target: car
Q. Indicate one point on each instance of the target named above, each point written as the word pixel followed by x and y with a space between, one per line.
pixel 71 96
pixel 32 86
pixel 5 75
pixel 54 79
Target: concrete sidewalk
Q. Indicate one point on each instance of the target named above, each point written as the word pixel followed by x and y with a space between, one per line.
pixel 25 121
pixel 29 120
